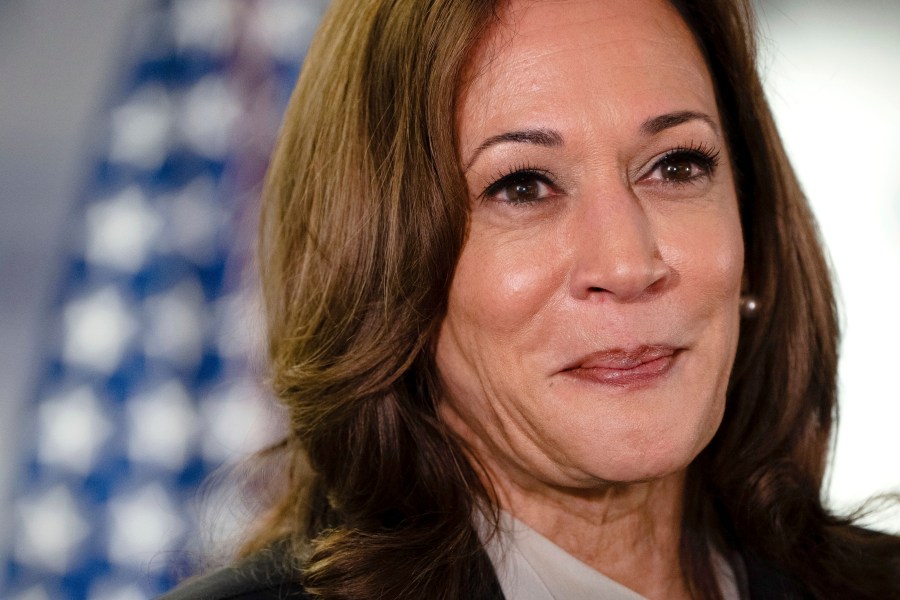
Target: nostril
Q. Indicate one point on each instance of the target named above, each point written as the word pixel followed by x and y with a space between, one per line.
pixel 616 255
pixel 624 283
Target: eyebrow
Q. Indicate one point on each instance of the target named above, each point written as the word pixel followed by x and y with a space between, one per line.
pixel 551 138
pixel 659 124
pixel 540 137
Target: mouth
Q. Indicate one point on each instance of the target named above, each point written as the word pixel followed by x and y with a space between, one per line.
pixel 621 367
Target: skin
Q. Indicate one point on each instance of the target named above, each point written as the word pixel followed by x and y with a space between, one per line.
pixel 616 248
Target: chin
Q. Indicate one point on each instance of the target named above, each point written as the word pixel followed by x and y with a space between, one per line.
pixel 649 463
pixel 645 445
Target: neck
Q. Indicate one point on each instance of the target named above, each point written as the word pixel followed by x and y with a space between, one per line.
pixel 628 532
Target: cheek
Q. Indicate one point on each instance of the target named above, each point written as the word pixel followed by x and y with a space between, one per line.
pixel 726 257
pixel 710 263
pixel 504 285
pixel 712 272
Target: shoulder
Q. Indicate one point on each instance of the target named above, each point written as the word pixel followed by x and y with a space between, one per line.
pixel 260 577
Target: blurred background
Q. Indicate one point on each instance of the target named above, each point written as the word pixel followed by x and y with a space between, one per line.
pixel 133 137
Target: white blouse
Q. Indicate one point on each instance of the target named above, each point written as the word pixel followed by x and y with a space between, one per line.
pixel 531 567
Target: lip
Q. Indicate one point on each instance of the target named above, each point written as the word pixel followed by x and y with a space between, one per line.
pixel 625 367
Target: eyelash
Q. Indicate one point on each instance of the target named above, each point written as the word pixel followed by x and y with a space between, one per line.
pixel 518 173
pixel 704 156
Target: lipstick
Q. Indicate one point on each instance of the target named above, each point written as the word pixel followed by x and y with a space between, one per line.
pixel 625 367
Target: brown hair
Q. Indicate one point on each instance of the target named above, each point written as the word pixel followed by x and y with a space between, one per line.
pixel 363 219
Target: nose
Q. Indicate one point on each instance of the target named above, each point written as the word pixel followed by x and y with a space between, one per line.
pixel 616 251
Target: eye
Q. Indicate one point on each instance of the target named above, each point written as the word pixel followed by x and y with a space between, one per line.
pixel 684 165
pixel 521 187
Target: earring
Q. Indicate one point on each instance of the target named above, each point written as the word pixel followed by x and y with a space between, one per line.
pixel 749 306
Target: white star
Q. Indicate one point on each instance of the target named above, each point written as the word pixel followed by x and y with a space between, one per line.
pixel 208 112
pixel 286 26
pixel 193 221
pixel 108 590
pixel 175 324
pixel 237 422
pixel 141 128
pixel 161 426
pixel 121 231
pixel 240 325
pixel 204 24
pixel 98 329
pixel 143 524
pixel 72 430
pixel 33 593
pixel 50 529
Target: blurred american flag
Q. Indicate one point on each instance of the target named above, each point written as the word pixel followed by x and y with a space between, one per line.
pixel 146 386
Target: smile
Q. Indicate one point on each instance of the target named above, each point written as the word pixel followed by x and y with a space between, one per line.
pixel 625 367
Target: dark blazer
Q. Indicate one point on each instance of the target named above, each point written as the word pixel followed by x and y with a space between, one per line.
pixel 266 577
pixel 263 576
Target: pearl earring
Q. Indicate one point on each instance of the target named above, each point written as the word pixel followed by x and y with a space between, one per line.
pixel 749 306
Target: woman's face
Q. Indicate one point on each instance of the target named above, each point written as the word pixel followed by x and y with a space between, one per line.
pixel 593 317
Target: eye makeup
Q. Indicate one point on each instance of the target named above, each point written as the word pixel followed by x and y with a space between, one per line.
pixel 684 164
pixel 521 185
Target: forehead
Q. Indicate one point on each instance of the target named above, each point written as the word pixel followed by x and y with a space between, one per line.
pixel 580 60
